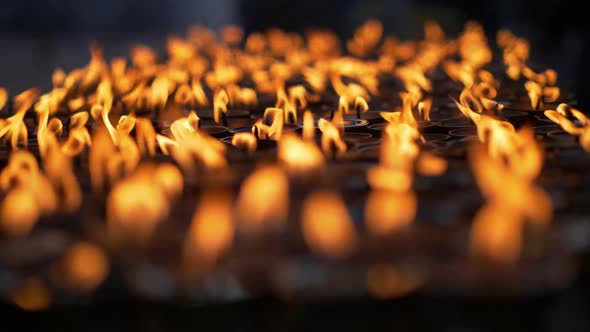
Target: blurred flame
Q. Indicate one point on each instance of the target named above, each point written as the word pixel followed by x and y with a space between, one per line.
pixel 85 266
pixel 212 229
pixel 263 200
pixel 327 228
pixel 246 141
pixel 32 295
pixel 139 202
pixel 388 211
pixel 298 155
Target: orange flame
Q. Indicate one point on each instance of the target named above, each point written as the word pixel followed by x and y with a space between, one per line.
pixel 85 266
pixel 332 143
pixel 212 229
pixel 246 141
pixel 298 155
pixel 263 200
pixel 326 225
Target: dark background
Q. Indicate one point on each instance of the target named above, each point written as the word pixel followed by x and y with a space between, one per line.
pixel 37 36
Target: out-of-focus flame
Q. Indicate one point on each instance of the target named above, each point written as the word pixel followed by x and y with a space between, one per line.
pixel 299 156
pixel 308 126
pixel 139 202
pixel 366 37
pixel 85 266
pixel 32 295
pixel 263 200
pixel 512 199
pixel 29 194
pixel 332 143
pixel 388 211
pixel 212 230
pixel 245 141
pixel 326 225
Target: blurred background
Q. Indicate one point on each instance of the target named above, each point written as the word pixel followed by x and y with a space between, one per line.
pixel 38 36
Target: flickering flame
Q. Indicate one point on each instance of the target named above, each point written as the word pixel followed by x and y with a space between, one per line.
pixel 85 267
pixel 274 131
pixel 245 141
pixel 332 143
pixel 539 94
pixel 212 229
pixel 264 200
pixel 13 129
pixel 326 225
pixel 220 101
pixel 560 116
pixel 299 156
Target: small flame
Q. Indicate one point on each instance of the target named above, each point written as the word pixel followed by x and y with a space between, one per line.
pixel 326 225
pixel 273 131
pixel 220 101
pixel 332 143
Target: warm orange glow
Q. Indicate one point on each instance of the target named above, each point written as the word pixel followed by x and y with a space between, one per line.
pixel 263 130
pixel 13 129
pixel 308 126
pixel 85 267
pixel 507 183
pixel 389 211
pixel 365 38
pixel 29 194
pixel 32 295
pixel 429 164
pixel 327 228
pixel 139 202
pixel 245 141
pixel 332 143
pixel 386 281
pixel 212 229
pixel 299 156
pixel 263 200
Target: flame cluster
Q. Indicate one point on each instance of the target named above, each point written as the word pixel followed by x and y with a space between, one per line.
pixel 118 119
